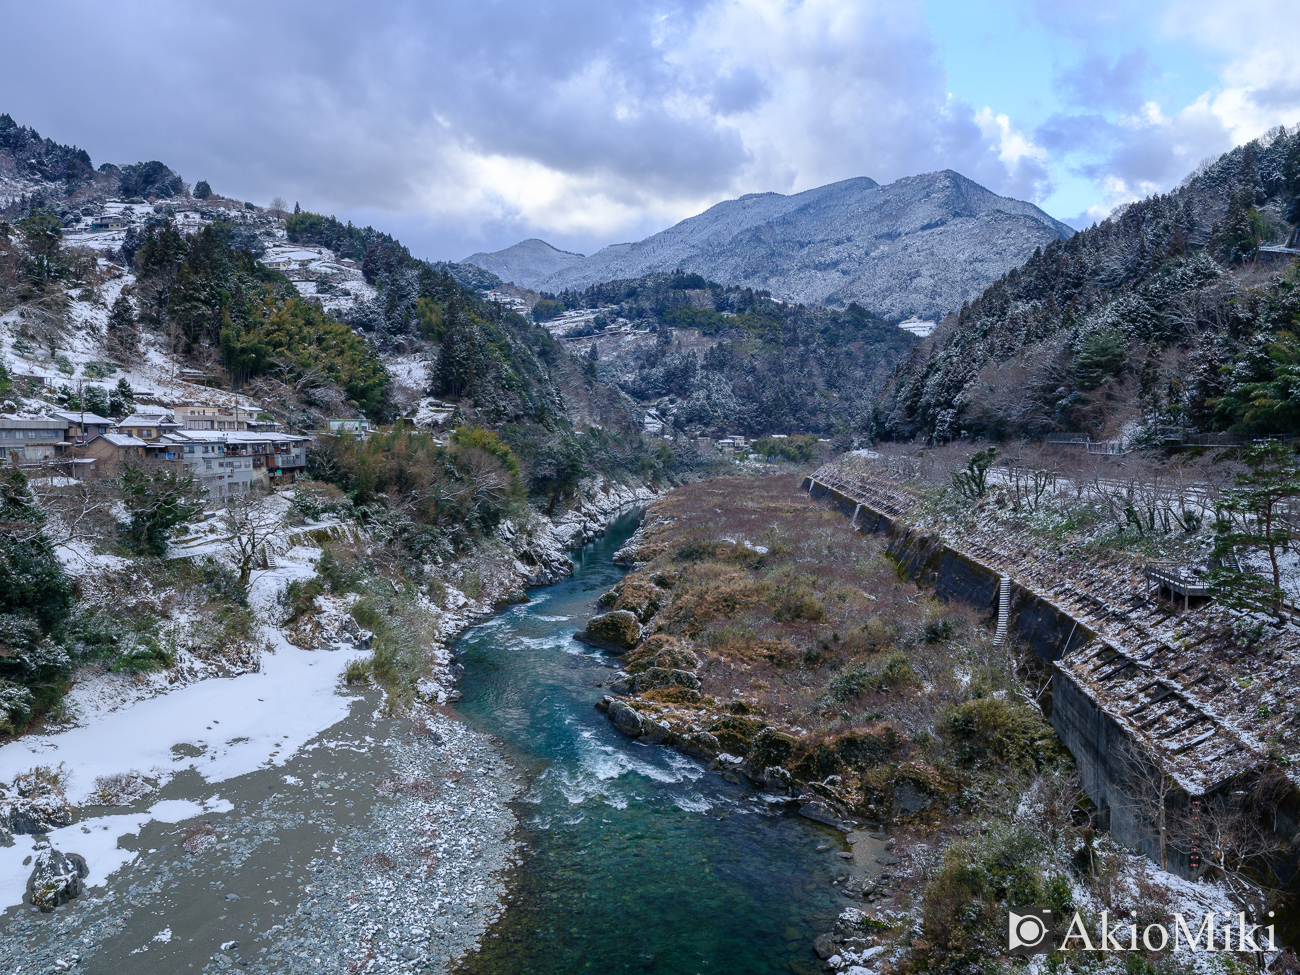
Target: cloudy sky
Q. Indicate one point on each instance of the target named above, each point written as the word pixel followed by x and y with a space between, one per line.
pixel 464 126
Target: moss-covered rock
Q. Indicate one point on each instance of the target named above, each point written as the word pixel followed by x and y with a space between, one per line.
pixel 736 734
pixel 673 695
pixel 660 650
pixel 639 598
pixel 917 786
pixel 656 677
pixel 770 747
pixel 619 629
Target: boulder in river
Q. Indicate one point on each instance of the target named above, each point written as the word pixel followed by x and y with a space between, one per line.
pixel 625 718
pixel 56 878
pixel 620 630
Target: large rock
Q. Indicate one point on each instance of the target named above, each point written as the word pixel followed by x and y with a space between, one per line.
pixel 661 650
pixel 56 878
pixel 39 805
pixel 619 629
pixel 770 747
pixel 625 718
pixel 656 677
pixel 819 812
pixel 640 598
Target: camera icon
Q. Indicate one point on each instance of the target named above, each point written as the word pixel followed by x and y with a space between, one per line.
pixel 1028 933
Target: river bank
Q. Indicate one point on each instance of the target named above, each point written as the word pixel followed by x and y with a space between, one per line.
pixel 279 811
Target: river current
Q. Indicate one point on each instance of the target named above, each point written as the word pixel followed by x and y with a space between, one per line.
pixel 639 858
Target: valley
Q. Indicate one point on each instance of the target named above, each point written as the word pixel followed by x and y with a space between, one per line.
pixel 684 606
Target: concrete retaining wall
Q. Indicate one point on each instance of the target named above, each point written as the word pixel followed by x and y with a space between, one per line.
pixel 1088 732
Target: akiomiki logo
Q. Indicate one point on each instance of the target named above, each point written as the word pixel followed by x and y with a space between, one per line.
pixel 1035 932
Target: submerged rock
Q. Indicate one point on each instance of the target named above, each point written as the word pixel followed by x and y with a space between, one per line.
pixel 56 878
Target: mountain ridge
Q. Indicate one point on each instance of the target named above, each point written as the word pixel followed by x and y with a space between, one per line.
pixel 919 245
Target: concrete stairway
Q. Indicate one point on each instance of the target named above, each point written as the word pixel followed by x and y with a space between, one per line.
pixel 1004 610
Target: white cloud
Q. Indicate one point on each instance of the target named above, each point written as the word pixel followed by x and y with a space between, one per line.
pixel 1011 144
pixel 480 123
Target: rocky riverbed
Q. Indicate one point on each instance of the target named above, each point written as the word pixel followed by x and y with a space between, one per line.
pixel 375 844
pixel 380 846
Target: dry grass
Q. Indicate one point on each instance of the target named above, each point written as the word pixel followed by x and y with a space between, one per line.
pixel 781 599
pixel 198 838
pixel 802 625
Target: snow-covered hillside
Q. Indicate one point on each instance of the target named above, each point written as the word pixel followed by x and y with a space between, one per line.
pixel 918 246
pixel 51 353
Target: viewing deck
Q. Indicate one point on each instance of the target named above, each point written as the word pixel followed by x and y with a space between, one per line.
pixel 1178 580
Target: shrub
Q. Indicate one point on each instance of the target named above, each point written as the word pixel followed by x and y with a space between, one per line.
pixel 963 924
pixel 120 788
pixel 300 597
pixel 895 672
pixel 799 604
pixel 357 671
pixel 198 838
pixel 1006 731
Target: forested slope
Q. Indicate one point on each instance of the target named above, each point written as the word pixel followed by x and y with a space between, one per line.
pixel 1167 313
pixel 741 361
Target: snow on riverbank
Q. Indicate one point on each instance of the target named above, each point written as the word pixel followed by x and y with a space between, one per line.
pixel 223 728
pixel 97 841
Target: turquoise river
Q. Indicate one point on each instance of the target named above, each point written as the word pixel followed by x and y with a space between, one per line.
pixel 639 859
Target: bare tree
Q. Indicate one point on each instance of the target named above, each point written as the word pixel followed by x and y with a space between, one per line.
pixel 254 522
pixel 1148 793
pixel 279 207
pixel 1239 836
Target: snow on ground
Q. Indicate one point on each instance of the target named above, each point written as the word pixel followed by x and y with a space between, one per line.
pixel 224 727
pixel 408 369
pixel 97 841
pixel 1288 562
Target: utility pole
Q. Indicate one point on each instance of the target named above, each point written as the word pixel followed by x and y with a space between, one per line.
pixel 81 429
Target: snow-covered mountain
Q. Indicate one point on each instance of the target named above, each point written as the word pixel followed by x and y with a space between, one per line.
pixel 920 245
pixel 528 260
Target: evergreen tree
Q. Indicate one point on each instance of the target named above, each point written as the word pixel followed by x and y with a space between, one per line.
pixel 130 245
pixel 95 400
pixel 202 190
pixel 460 358
pixel 43 243
pixel 35 599
pixel 1252 517
pixel 1243 228
pixel 122 400
pixel 158 501
pixel 121 327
